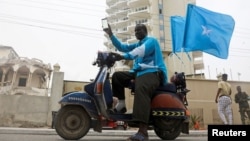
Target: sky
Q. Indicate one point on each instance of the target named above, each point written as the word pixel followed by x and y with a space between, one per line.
pixel 69 32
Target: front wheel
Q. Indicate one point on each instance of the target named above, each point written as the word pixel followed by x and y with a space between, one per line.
pixel 167 129
pixel 72 122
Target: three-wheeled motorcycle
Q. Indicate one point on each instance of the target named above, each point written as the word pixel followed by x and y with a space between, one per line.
pixel 81 111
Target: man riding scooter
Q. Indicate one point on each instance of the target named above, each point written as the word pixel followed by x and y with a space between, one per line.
pixel 149 72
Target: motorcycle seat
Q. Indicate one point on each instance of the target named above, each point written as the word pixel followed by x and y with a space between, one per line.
pixel 169 87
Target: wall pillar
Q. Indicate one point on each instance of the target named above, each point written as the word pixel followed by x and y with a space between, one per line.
pixel 56 92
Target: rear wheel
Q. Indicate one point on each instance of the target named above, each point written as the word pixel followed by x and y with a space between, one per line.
pixel 167 129
pixel 72 122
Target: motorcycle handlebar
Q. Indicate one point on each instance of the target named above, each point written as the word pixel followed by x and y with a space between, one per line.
pixel 94 63
pixel 107 58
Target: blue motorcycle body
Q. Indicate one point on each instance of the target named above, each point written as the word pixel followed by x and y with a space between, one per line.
pixel 83 99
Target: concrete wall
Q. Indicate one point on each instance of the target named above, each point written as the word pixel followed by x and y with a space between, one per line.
pixel 23 110
pixel 34 111
pixel 202 96
pixel 70 86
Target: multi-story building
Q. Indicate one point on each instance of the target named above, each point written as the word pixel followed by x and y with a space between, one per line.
pixel 123 15
pixel 21 75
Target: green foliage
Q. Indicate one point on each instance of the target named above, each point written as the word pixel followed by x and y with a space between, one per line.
pixel 193 119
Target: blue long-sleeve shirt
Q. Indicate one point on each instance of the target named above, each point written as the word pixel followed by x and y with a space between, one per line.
pixel 146 54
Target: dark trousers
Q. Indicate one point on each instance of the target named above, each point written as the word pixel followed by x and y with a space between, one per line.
pixel 145 86
pixel 243 113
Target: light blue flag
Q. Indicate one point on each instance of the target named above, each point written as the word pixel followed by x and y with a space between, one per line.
pixel 207 31
pixel 177 32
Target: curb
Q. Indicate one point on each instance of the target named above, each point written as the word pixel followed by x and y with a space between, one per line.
pixel 49 131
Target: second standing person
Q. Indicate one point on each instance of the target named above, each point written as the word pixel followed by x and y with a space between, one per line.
pixel 223 98
pixel 242 99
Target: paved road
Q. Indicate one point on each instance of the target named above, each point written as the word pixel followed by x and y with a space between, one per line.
pixel 44 134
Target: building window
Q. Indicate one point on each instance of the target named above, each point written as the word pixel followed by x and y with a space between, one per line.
pixel 141 21
pixel 22 82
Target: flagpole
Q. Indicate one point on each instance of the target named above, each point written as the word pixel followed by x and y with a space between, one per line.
pixel 231 74
pixel 209 72
pixel 174 63
pixel 182 61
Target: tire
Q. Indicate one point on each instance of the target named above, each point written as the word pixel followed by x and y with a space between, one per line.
pixel 167 129
pixel 72 122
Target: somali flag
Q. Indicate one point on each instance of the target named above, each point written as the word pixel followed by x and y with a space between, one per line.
pixel 177 32
pixel 207 31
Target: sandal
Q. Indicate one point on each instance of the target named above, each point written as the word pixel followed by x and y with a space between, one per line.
pixel 138 137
